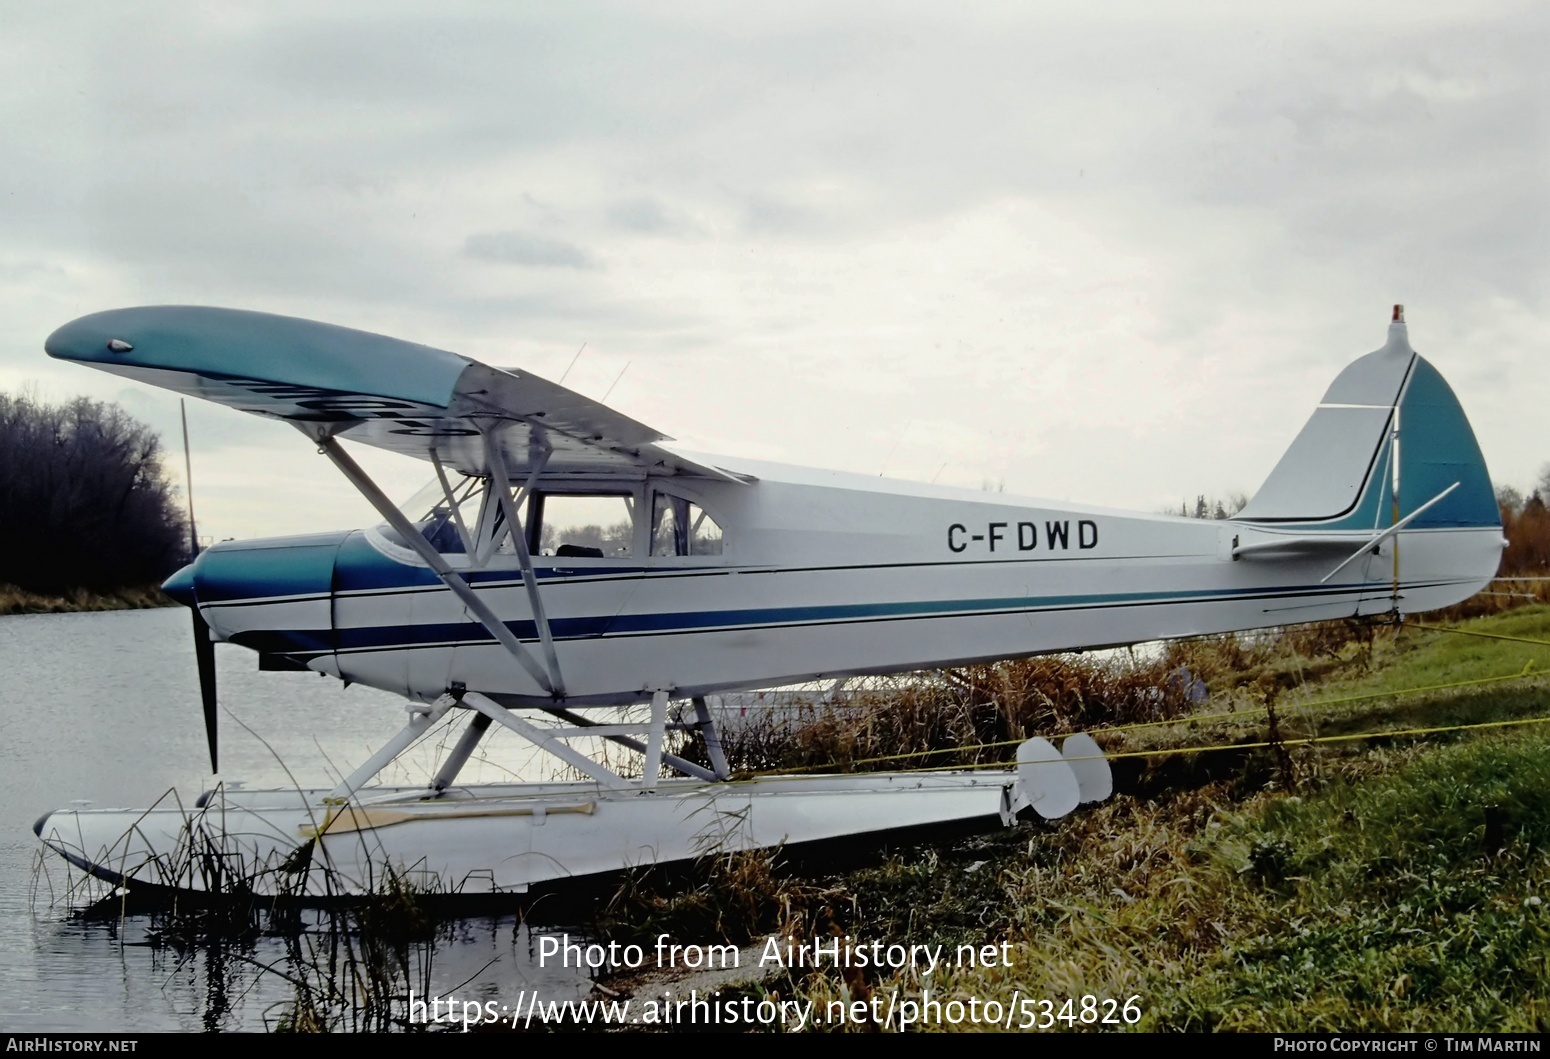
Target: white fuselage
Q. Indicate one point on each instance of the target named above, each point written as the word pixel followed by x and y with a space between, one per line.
pixel 825 575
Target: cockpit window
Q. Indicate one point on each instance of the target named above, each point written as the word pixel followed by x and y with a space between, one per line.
pixel 581 526
pixel 432 514
pixel 682 527
pixel 590 524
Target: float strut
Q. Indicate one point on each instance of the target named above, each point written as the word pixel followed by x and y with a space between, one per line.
pixel 708 732
pixel 419 724
pixel 654 739
pixel 688 768
pixel 461 753
pixel 544 740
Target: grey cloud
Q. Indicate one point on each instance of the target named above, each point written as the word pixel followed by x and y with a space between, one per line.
pixel 524 248
pixel 21 272
pixel 208 233
pixel 650 217
pixel 771 216
pixel 285 155
pixel 1424 154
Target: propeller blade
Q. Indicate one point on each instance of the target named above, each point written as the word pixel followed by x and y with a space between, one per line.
pixel 204 655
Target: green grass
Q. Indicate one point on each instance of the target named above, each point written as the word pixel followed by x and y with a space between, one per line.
pixel 1405 902
pixel 1415 679
pixel 1422 657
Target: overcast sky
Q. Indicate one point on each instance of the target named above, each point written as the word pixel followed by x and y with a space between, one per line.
pixel 1110 257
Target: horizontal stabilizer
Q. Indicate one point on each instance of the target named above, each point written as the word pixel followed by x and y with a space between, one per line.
pixel 1353 547
pixel 1301 547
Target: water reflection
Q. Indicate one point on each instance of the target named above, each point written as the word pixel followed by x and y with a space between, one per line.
pixel 339 970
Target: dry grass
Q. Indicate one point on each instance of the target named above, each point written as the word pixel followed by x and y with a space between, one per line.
pixel 976 715
pixel 15 600
pixel 736 898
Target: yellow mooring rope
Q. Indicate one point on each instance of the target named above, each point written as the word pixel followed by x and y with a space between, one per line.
pixel 1527 672
pixel 1476 632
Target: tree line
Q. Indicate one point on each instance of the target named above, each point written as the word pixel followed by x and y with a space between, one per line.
pixel 1526 525
pixel 85 502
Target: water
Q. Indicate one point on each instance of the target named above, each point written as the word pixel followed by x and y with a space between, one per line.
pixel 105 708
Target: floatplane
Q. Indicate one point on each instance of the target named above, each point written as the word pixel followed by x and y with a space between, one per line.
pixel 566 558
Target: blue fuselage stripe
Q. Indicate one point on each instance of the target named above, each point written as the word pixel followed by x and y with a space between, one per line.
pixel 447 634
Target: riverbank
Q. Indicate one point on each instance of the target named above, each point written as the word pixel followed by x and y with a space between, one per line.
pixel 1380 867
pixel 15 600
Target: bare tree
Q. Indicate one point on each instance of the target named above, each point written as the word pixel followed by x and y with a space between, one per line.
pixel 84 501
pixel 1509 499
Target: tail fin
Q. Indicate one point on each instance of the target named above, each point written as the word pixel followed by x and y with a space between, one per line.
pixel 1388 439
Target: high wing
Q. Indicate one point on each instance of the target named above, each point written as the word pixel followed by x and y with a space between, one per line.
pixel 338 382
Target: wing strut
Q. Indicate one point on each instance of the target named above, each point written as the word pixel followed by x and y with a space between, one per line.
pixel 416 540
pixel 452 502
pixel 502 486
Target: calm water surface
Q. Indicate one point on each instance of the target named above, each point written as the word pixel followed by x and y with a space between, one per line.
pixel 105 708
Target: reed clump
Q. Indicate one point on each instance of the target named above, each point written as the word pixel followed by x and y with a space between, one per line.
pixel 731 897
pixel 1502 594
pixel 353 969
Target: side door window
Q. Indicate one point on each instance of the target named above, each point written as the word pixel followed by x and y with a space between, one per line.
pixel 682 527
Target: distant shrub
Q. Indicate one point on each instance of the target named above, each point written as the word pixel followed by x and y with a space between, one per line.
pixel 1527 530
pixel 1214 507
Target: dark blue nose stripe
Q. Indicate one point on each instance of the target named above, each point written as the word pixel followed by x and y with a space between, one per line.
pixel 286 566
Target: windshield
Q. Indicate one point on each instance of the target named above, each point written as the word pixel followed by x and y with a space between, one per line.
pixel 429 510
